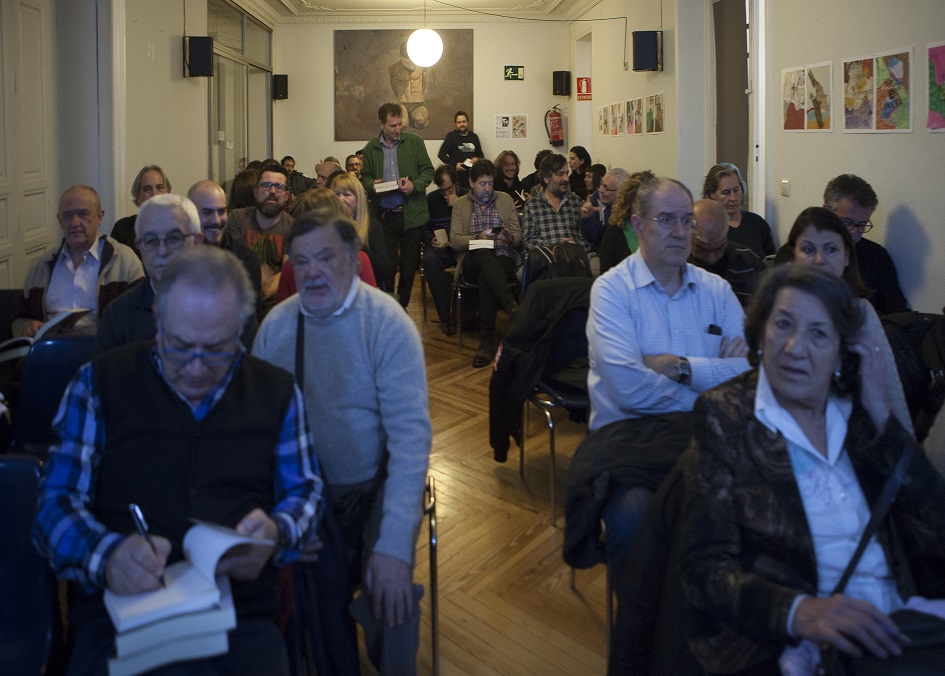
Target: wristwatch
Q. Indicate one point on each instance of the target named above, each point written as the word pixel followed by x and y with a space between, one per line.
pixel 683 371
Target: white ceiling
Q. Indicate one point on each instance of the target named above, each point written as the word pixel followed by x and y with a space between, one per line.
pixel 450 10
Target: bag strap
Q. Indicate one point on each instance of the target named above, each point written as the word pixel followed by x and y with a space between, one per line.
pixel 878 513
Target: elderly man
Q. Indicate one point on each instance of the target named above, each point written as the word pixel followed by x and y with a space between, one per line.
pixel 264 227
pixel 323 171
pixel 200 431
pixel 166 225
pixel 87 271
pixel 659 332
pixel 357 357
pixel 712 251
pixel 210 201
pixel 595 212
pixel 553 215
pixel 401 157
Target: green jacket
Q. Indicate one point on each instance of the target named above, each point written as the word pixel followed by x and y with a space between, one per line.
pixel 414 163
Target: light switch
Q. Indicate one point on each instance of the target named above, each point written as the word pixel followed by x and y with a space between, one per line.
pixel 785 188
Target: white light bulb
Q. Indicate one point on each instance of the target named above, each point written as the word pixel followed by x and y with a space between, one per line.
pixel 424 47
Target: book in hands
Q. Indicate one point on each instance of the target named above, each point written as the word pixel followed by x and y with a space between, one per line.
pixel 387 186
pixel 441 236
pixel 481 244
pixel 190 584
pixel 59 324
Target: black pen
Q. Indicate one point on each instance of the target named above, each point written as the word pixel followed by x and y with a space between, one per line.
pixel 142 526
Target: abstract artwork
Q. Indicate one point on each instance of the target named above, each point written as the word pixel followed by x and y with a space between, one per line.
pixel 936 116
pixel 793 98
pixel 858 95
pixel 819 98
pixel 621 118
pixel 636 106
pixel 893 109
pixel 372 67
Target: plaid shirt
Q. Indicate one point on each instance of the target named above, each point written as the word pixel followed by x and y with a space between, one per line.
pixel 488 219
pixel 543 226
pixel 78 546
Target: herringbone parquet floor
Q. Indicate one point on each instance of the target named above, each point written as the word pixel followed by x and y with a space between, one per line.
pixel 505 604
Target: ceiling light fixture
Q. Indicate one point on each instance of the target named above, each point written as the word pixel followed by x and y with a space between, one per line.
pixel 424 46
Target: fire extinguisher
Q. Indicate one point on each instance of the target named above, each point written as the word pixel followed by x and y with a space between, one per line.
pixel 554 127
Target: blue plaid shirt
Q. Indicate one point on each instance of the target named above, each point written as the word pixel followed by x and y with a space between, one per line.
pixel 543 225
pixel 78 546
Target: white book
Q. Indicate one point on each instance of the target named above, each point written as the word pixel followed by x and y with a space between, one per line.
pixel 441 236
pixel 481 244
pixel 387 186
pixel 59 323
pixel 193 647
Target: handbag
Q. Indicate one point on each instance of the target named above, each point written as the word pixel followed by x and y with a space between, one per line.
pixel 926 632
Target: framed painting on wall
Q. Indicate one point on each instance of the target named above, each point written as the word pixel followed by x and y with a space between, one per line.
pixel 372 67
pixel 858 95
pixel 893 110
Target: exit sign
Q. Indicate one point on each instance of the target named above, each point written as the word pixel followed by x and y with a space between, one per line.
pixel 515 72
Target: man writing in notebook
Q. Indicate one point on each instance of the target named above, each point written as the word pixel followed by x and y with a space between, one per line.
pixel 188 436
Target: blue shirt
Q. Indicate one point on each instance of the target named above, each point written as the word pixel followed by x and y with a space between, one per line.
pixel 394 198
pixel 78 546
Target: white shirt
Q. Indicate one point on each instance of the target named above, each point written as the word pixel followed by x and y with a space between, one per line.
pixel 76 288
pixel 836 509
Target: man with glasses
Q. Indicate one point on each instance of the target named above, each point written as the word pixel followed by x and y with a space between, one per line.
pixel 87 271
pixel 595 212
pixel 854 201
pixel 264 227
pixel 712 250
pixel 187 426
pixel 438 256
pixel 660 331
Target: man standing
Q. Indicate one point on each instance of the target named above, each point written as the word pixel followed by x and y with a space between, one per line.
pixel 712 251
pixel 659 333
pixel 201 431
pixel 401 157
pixel 298 182
pixel 553 214
pixel 210 201
pixel 358 359
pixel 854 201
pixel 166 225
pixel 461 147
pixel 264 226
pixel 353 165
pixel 87 271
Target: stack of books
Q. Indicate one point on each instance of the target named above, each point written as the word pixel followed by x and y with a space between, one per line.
pixel 188 618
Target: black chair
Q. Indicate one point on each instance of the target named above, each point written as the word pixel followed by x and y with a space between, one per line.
pixel 30 626
pixel 563 384
pixel 50 365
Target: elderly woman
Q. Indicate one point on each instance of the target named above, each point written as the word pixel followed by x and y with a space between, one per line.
pixel 818 238
pixel 725 185
pixel 784 464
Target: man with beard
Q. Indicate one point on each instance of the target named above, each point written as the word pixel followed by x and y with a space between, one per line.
pixel 210 201
pixel 507 181
pixel 483 214
pixel 553 215
pixel 353 165
pixel 264 226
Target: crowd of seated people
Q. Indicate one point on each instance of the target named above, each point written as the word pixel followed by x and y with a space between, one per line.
pixel 743 385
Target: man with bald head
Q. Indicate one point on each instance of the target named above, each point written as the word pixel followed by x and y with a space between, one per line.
pixel 712 251
pixel 210 200
pixel 323 170
pixel 86 271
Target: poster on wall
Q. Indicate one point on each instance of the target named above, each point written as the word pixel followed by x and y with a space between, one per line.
pixel 621 118
pixel 819 96
pixel 614 127
pixel 936 117
pixel 503 126
pixel 372 66
pixel 858 95
pixel 793 98
pixel 605 120
pixel 635 116
pixel 893 112
pixel 520 126
pixel 654 114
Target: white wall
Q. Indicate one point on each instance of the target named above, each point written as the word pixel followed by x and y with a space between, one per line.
pixel 303 125
pixel 906 170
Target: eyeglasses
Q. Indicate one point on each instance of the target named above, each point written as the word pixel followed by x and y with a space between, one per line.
pixel 173 241
pixel 668 220
pixel 850 224
pixel 604 188
pixel 705 251
pixel 269 185
pixel 211 359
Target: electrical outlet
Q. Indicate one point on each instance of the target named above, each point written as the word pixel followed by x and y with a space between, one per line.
pixel 785 188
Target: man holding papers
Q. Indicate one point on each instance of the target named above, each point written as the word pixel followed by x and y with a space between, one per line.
pixel 187 427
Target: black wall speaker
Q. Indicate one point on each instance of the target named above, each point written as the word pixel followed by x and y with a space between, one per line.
pixel 198 56
pixel 647 50
pixel 280 87
pixel 561 82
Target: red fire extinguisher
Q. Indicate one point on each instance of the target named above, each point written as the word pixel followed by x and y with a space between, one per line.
pixel 554 127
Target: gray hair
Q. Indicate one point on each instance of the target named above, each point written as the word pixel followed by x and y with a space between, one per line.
pixel 182 210
pixel 620 174
pixel 643 202
pixel 207 269
pixel 136 184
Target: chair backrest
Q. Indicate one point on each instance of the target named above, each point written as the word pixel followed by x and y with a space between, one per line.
pixel 569 341
pixel 29 605
pixel 50 365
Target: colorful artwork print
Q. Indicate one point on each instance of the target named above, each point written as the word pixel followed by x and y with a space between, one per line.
pixel 614 129
pixel 793 98
pixel 520 126
pixel 605 120
pixel 637 107
pixel 936 116
pixel 819 99
pixel 621 118
pixel 892 112
pixel 650 114
pixel 858 94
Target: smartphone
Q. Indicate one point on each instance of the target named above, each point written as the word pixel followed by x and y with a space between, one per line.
pixel 496 230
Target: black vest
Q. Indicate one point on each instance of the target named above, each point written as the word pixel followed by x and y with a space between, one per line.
pixel 158 456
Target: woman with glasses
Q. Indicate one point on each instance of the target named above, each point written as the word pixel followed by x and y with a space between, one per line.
pixel 725 185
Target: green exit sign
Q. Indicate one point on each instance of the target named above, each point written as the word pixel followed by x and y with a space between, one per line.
pixel 515 72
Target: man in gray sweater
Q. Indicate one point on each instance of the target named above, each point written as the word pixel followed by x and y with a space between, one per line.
pixel 363 378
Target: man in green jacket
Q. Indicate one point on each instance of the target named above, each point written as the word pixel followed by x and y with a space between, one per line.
pixel 400 157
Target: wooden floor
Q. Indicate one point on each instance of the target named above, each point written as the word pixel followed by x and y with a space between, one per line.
pixel 505 604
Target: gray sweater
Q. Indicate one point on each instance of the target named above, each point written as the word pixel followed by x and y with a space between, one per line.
pixel 365 389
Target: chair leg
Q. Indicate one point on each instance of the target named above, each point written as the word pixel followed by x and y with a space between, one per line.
pixel 423 291
pixel 610 612
pixel 459 318
pixel 551 447
pixel 430 510
pixel 521 448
